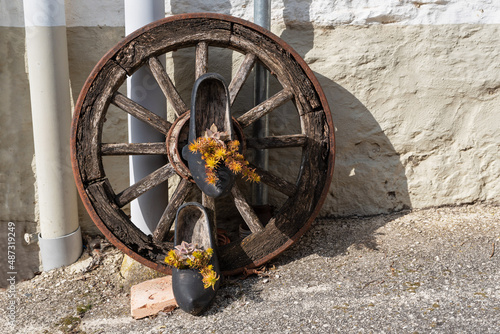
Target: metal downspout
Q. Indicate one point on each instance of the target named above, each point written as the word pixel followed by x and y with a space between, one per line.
pixel 262 17
pixel 47 57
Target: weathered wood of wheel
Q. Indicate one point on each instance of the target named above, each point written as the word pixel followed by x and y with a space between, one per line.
pixel 303 193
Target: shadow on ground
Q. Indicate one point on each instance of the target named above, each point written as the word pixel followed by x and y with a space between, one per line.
pixel 369 178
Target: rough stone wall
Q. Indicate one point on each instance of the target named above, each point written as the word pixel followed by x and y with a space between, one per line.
pixel 413 88
pixel 416 112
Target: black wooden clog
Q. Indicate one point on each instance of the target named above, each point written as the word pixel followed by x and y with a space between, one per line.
pixel 192 225
pixel 209 105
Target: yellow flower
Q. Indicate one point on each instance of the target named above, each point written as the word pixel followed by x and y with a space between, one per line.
pixel 169 259
pixel 211 162
pixel 250 174
pixel 235 166
pixel 220 154
pixel 209 277
pixel 189 256
pixel 197 255
pixel 234 145
pixel 211 178
pixel 193 147
pixel 214 151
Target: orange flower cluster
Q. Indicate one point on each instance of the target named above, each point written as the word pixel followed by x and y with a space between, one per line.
pixel 215 153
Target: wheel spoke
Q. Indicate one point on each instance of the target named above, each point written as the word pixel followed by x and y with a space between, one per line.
pixel 241 76
pixel 149 182
pixel 167 86
pixel 134 149
pixel 265 107
pixel 277 142
pixel 201 59
pixel 276 182
pixel 246 211
pixel 183 189
pixel 141 113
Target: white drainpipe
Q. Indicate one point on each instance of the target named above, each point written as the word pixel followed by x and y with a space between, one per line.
pixel 47 56
pixel 146 211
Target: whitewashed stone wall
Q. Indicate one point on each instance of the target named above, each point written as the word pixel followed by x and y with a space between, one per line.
pixel 326 13
pixel 414 89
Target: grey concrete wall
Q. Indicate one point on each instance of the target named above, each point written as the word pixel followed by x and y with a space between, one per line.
pixel 17 192
pixel 17 180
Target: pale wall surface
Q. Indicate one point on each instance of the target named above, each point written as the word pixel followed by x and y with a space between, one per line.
pixel 417 114
pixel 413 88
pixel 320 12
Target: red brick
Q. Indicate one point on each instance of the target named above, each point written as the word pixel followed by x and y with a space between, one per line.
pixel 153 296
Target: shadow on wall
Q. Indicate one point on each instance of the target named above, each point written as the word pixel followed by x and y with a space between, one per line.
pixel 369 177
pixel 17 191
pixel 299 30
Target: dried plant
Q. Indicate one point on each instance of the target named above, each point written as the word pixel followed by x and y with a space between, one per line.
pixel 216 152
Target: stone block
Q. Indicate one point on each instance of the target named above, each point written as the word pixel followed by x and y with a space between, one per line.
pixel 134 272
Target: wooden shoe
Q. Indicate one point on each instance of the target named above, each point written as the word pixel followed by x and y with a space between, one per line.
pixel 192 225
pixel 209 106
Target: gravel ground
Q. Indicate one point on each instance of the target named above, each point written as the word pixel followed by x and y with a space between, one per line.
pixel 425 271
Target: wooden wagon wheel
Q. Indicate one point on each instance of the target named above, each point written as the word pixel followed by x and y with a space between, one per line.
pixel 301 195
